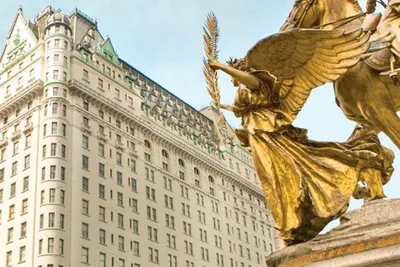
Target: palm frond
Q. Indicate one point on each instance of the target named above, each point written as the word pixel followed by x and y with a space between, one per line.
pixel 210 39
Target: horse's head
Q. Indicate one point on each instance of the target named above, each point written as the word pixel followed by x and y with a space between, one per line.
pixel 318 13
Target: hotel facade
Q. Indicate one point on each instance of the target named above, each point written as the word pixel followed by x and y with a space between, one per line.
pixel 101 166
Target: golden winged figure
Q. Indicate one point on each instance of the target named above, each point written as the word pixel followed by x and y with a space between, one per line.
pixel 307 183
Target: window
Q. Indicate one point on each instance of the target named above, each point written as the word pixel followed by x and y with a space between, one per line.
pixel 120 220
pixel 42 197
pixel 85 162
pixel 133 165
pixel 151 213
pixel 101 169
pixel 50 245
pixel 85 230
pixel 153 255
pixel 181 163
pixel 61 246
pixel 120 197
pixel 152 233
pixel 27 161
pixel 12 190
pixel 14 168
pixel 85 141
pixel 136 250
pixel 119 158
pixel 150 193
pixel 101 191
pixel 22 253
pixel 64 110
pixel 54 108
pixel 62 218
pixel 62 197
pixel 119 178
pixel 85 121
pixel 8 258
pixel 101 150
pixel 169 202
pixel 54 128
pixel 100 83
pixel 40 246
pixel 55 74
pixel 171 241
pixel 52 172
pixel 86 105
pixel 121 243
pixel 102 213
pixel 172 261
pixel 102 236
pixel 134 205
pixel 102 262
pixel 85 207
pixel 51 219
pixel 53 149
pixel 63 151
pixel 135 226
pixel 64 130
pixel 85 255
pixel 170 221
pixel 10 235
pixel 24 206
pixel 15 148
pixel 2 175
pixel 85 184
pixel 52 195
pixel 85 74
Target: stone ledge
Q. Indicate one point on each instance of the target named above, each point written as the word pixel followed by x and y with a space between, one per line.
pixel 369 236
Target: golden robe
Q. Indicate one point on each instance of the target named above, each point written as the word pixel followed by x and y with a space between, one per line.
pixel 307 184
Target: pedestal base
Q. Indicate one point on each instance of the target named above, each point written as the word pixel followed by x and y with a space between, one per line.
pixel 369 236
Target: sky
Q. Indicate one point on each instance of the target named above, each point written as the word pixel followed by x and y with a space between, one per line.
pixel 163 39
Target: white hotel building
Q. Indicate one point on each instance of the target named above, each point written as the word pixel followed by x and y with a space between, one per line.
pixel 101 166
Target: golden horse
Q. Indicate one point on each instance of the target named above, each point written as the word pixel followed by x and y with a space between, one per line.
pixel 362 93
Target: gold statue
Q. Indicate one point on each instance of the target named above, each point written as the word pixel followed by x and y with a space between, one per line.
pixel 369 93
pixel 307 184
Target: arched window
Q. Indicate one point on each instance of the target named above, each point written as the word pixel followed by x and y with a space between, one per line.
pixel 196 171
pixel 147 144
pixel 164 153
pixel 181 163
pixel 211 179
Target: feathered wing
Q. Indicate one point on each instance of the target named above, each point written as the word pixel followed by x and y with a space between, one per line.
pixel 304 59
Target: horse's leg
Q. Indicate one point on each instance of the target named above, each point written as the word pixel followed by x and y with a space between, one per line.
pixel 378 109
pixel 364 98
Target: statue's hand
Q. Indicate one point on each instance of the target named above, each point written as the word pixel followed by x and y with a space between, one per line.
pixel 214 64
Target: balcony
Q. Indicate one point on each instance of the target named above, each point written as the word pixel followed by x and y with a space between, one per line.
pixel 102 136
pixel 16 135
pixel 119 145
pixel 133 152
pixel 3 142
pixel 86 128
pixel 28 128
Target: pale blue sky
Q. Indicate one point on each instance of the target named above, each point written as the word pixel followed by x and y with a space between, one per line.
pixel 163 39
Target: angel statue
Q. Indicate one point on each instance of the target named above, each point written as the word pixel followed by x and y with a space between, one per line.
pixel 307 183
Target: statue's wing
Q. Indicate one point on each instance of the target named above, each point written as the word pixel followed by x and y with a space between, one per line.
pixel 304 59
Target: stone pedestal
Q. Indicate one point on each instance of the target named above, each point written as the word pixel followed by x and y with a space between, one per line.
pixel 369 236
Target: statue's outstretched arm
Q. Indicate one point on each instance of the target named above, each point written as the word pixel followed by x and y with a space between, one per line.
pixel 242 77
